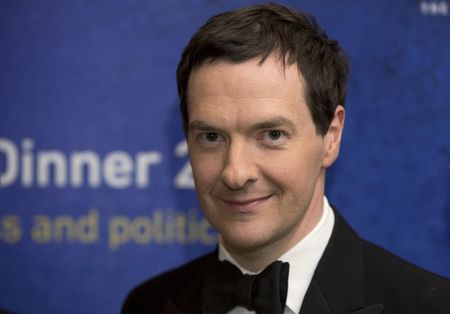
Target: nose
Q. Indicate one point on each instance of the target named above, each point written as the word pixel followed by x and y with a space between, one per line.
pixel 240 167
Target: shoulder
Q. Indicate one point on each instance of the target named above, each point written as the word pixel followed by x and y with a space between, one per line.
pixel 402 285
pixel 379 276
pixel 149 296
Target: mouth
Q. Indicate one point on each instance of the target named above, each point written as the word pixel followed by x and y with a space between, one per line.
pixel 246 205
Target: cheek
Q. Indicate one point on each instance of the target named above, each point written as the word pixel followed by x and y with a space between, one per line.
pixel 294 169
pixel 205 170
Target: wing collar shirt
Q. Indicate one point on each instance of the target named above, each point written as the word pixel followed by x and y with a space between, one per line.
pixel 302 258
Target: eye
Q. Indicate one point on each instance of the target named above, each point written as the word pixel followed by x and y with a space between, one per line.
pixel 273 137
pixel 211 136
pixel 210 139
pixel 274 134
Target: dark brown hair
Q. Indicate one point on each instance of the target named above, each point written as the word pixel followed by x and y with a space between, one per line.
pixel 259 31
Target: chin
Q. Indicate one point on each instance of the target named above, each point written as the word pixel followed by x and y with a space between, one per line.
pixel 243 240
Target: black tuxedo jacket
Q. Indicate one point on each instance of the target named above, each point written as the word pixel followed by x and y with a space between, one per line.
pixel 353 276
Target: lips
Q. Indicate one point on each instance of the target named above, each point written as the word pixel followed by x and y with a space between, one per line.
pixel 247 204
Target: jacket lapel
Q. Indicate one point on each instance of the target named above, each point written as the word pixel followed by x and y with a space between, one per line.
pixel 338 282
pixel 315 301
pixel 188 300
pixel 372 309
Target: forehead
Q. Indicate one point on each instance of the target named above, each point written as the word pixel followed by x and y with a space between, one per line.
pixel 243 94
pixel 246 79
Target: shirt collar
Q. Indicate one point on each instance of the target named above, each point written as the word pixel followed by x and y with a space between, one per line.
pixel 302 258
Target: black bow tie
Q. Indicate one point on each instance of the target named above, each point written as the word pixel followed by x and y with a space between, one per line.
pixel 226 287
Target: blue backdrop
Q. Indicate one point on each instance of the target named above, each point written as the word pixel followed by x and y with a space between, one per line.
pixel 95 189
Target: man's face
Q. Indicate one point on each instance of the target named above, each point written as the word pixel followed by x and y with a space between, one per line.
pixel 257 161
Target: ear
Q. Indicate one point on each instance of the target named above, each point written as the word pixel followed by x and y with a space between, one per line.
pixel 332 140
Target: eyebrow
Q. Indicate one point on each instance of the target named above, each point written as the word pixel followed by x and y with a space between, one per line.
pixel 272 123
pixel 199 125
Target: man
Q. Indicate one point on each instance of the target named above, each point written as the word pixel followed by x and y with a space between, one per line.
pixel 262 94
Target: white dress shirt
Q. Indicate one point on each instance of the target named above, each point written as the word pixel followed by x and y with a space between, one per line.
pixel 302 258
